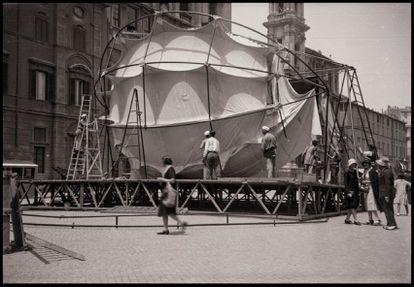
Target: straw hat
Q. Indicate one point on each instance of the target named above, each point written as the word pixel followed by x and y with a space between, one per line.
pixel 381 162
pixel 206 133
pixel 265 128
pixel 83 116
pixel 351 161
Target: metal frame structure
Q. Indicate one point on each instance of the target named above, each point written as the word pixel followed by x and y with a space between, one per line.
pixel 103 71
pixel 301 200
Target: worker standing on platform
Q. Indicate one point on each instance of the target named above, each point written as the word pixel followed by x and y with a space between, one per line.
pixel 202 146
pixel 269 151
pixel 334 161
pixel 212 158
pixel 311 157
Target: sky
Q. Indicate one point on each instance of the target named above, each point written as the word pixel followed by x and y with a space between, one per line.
pixel 375 38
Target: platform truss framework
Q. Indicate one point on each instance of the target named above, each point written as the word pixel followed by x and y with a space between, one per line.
pixel 301 200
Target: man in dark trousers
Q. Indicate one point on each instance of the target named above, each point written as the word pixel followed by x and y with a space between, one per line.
pixel 386 192
pixel 269 151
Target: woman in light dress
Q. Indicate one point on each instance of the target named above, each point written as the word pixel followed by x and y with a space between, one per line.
pixel 372 204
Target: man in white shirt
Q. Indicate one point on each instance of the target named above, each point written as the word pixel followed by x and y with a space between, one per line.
pixel 211 154
pixel 203 146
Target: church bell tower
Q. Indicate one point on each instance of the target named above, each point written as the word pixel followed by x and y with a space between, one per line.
pixel 286 25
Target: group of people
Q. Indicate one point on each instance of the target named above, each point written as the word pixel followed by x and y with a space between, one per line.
pixel 376 184
pixel 379 189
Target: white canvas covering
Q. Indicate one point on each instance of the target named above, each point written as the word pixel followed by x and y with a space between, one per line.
pixel 181 100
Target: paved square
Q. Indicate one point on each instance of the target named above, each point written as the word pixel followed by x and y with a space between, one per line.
pixel 330 252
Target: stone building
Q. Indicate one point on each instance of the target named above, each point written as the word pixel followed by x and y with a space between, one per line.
pixel 403 114
pixel 51 55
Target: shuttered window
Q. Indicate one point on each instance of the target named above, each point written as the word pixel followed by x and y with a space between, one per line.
pixel 79 38
pixel 41 29
pixel 42 82
pixel 76 89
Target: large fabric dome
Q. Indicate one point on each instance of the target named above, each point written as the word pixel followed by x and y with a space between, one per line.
pixel 189 79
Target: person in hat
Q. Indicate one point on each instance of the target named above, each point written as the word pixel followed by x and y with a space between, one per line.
pixel 386 192
pixel 79 131
pixel 311 157
pixel 334 162
pixel 212 158
pixel 167 183
pixel 269 146
pixel 202 146
pixel 351 201
pixel 372 203
pixel 401 186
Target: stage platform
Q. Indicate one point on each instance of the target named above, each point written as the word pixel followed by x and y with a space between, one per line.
pixel 272 197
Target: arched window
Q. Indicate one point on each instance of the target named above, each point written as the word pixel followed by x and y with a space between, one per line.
pixel 79 38
pixel 41 32
pixel 79 84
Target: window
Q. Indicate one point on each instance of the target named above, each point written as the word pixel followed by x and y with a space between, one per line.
pixel 79 83
pixel 132 14
pixel 41 28
pixel 79 38
pixel 40 85
pixel 5 79
pixel 39 135
pixel 116 15
pixel 212 7
pixel 39 158
pixel 77 88
pixel 184 6
pixel 42 82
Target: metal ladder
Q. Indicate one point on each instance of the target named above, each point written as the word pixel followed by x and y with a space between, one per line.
pixel 356 99
pixel 85 159
pixel 138 152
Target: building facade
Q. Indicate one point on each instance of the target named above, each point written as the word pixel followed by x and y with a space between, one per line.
pixel 51 56
pixel 403 114
pixel 286 24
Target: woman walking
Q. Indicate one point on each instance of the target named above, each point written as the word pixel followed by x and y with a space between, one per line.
pixel 351 192
pixel 167 204
pixel 372 204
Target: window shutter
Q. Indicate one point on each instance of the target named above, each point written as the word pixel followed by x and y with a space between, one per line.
pixel 33 84
pixel 72 91
pixel 50 84
pixel 86 87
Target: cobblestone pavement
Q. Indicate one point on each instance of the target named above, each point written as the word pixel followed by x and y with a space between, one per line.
pixel 330 252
